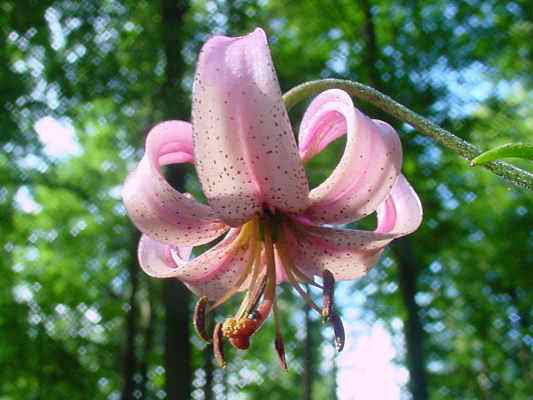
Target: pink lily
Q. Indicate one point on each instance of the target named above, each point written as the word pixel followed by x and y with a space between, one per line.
pixel 251 171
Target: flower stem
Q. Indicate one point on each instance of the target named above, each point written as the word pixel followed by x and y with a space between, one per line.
pixel 515 175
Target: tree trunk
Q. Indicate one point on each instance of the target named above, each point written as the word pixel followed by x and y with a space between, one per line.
pixel 148 340
pixel 208 364
pixel 208 369
pixel 407 271
pixel 308 371
pixel 371 51
pixel 129 359
pixel 176 298
pixel 178 369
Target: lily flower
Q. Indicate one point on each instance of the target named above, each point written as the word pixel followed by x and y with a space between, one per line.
pixel 275 229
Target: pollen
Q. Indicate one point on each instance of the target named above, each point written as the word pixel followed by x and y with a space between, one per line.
pixel 233 327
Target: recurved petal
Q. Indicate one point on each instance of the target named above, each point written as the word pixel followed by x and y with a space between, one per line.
pixel 156 258
pixel 350 253
pixel 320 127
pixel 368 168
pixel 210 274
pixel 157 209
pixel 218 270
pixel 244 144
pixel 401 213
pixel 313 252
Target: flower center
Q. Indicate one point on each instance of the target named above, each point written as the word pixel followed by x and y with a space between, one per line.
pixel 264 238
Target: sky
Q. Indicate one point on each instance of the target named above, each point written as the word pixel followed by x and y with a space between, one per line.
pixel 366 367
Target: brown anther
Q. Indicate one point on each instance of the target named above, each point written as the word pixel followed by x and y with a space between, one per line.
pixel 329 290
pixel 338 329
pixel 200 311
pixel 280 351
pixel 218 345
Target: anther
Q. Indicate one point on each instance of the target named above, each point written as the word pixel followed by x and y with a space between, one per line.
pixel 239 331
pixel 338 330
pixel 200 311
pixel 218 345
pixel 329 290
pixel 280 351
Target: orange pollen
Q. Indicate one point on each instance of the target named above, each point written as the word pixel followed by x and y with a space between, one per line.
pixel 232 327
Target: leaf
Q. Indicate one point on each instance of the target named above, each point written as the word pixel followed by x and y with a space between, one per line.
pixel 517 150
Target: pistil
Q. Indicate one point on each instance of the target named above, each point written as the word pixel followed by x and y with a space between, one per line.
pixel 271 294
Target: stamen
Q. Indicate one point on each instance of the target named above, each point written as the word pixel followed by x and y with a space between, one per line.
pixel 252 287
pixel 245 273
pixel 238 331
pixel 304 278
pixel 329 290
pixel 328 314
pixel 338 329
pixel 200 311
pixel 288 268
pixel 268 286
pixel 218 345
pixel 254 297
pixel 296 271
pixel 247 230
pixel 280 350
pixel 270 292
pixel 278 343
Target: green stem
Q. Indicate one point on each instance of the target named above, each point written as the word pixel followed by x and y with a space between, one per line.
pixel 510 173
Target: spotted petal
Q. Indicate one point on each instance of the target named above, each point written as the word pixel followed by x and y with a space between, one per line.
pixel 210 274
pixel 368 168
pixel 350 253
pixel 243 141
pixel 157 209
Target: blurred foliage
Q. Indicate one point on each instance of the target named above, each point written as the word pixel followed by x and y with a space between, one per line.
pixel 67 244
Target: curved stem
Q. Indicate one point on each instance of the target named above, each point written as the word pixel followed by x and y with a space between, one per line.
pixel 510 173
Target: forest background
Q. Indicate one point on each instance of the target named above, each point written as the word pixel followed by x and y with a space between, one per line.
pixel 447 313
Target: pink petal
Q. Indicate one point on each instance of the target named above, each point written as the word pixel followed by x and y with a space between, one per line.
pixel 156 258
pixel 244 143
pixel 313 254
pixel 210 274
pixel 350 253
pixel 368 168
pixel 317 130
pixel 157 209
pixel 401 213
pixel 218 270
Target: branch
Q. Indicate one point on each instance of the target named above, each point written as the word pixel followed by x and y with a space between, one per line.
pixel 510 173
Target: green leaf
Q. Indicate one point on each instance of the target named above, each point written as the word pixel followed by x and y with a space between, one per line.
pixel 516 150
